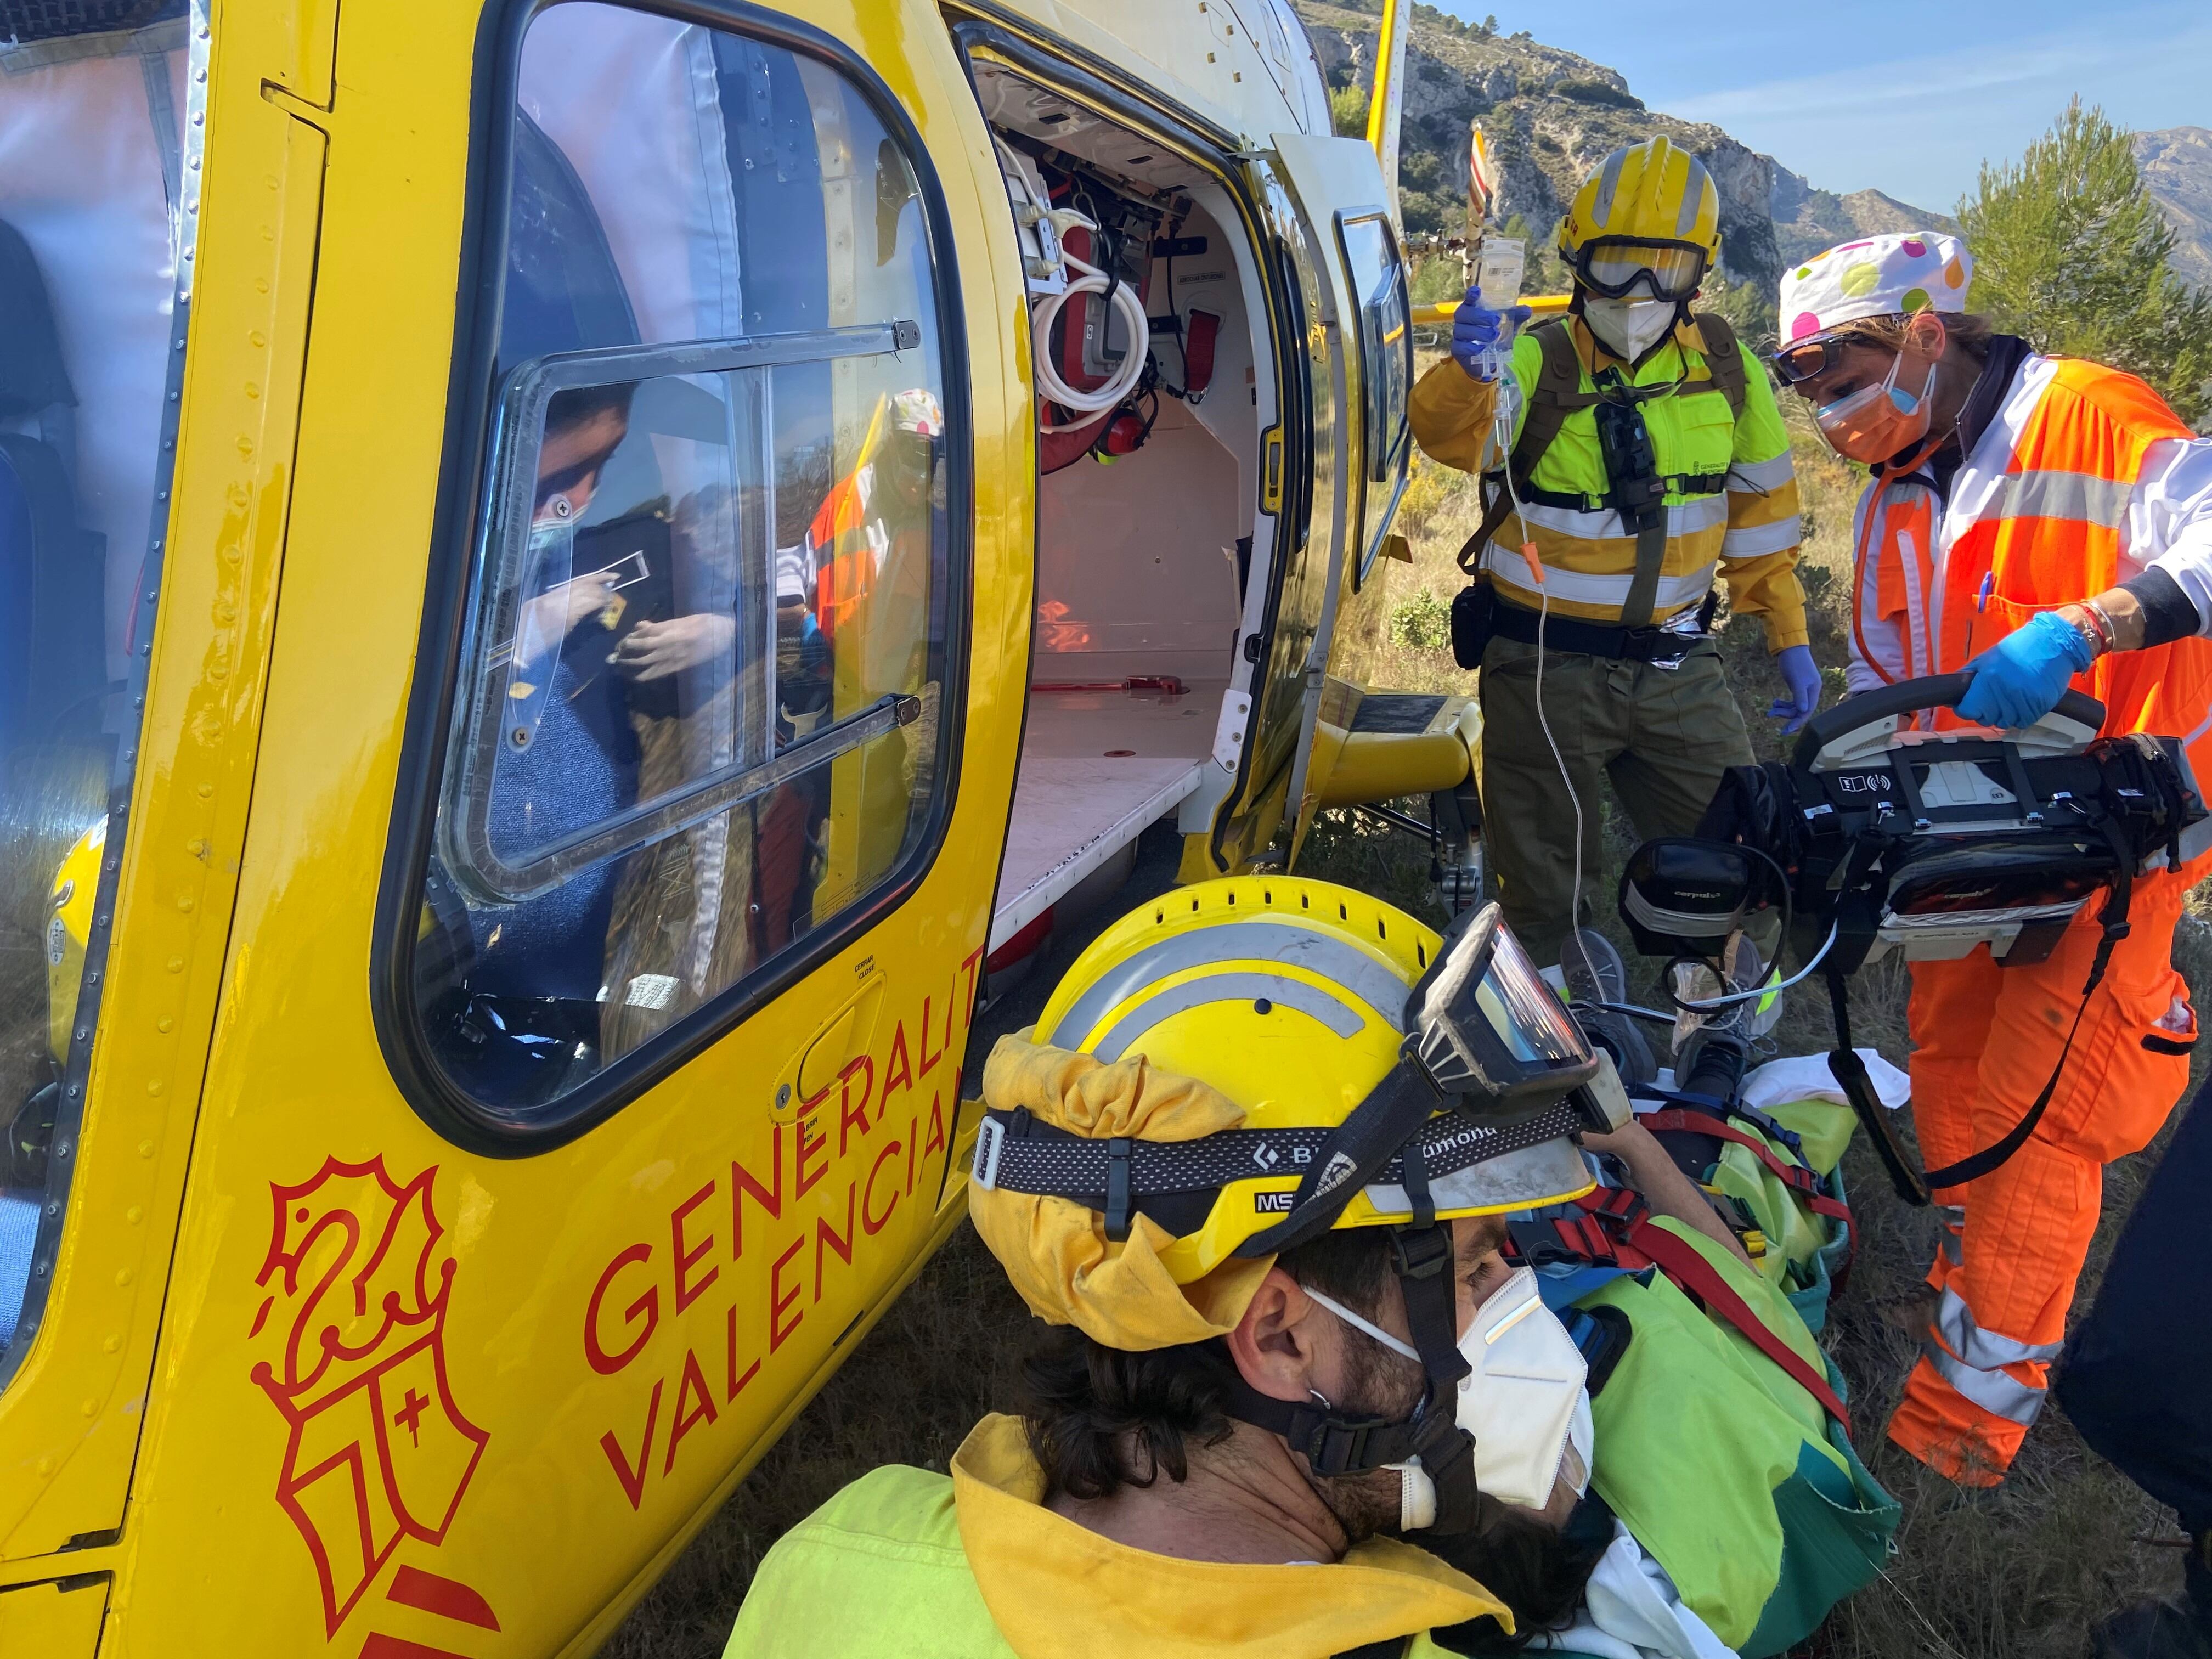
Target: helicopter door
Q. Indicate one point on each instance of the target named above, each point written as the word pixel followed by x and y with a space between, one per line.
pixel 1310 189
pixel 625 829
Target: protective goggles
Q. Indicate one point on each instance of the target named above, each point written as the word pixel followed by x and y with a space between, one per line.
pixel 1616 267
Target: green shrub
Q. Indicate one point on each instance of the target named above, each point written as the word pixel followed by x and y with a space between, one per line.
pixel 1422 623
pixel 1347 111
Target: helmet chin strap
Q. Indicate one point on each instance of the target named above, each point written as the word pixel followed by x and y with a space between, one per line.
pixel 1434 1456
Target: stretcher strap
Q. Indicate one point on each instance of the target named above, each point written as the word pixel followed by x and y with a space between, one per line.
pixel 1797 1176
pixel 1680 1261
pixel 1633 1242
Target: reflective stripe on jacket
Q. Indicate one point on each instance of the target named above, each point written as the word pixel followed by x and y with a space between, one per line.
pixel 2037 517
pixel 1748 533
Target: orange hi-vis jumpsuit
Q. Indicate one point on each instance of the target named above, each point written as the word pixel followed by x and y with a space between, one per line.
pixel 2035 518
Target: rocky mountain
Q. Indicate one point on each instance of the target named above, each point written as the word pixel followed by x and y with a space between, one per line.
pixel 2177 167
pixel 1807 220
pixel 1552 116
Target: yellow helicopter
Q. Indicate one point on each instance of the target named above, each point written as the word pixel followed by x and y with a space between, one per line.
pixel 579 576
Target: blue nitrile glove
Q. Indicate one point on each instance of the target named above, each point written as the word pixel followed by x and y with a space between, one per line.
pixel 2020 679
pixel 1477 330
pixel 1802 676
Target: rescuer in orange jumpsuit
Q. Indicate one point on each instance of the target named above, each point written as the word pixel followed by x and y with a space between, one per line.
pixel 2042 522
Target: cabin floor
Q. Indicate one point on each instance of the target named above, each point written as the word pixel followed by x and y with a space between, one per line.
pixel 1097 768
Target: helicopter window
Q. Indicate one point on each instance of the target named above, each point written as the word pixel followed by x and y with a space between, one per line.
pixel 698 725
pixel 1386 348
pixel 97 120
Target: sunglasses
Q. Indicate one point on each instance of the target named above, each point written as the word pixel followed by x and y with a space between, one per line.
pixel 1796 364
pixel 1615 266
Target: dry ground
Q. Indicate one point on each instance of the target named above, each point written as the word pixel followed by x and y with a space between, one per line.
pixel 2023 1571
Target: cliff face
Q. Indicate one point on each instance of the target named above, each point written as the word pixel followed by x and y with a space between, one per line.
pixel 2177 169
pixel 1807 220
pixel 1552 117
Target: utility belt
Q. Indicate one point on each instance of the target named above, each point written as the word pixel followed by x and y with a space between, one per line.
pixel 1573 501
pixel 1479 615
pixel 1658 644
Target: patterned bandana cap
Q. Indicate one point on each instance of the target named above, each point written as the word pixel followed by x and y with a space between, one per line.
pixel 1876 276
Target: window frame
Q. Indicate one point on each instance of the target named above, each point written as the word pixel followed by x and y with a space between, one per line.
pixel 464 515
pixel 464 838
pixel 1376 465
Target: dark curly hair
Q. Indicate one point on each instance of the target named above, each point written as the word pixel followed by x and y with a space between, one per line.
pixel 1086 1402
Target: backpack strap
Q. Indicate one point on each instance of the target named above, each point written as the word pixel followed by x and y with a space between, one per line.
pixel 1556 395
pixel 1723 360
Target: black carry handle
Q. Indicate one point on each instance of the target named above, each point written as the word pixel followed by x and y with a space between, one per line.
pixel 1909 697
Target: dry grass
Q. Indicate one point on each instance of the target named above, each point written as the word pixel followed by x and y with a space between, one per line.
pixel 2023 1571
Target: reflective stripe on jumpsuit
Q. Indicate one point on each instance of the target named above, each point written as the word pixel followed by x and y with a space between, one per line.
pixel 2037 509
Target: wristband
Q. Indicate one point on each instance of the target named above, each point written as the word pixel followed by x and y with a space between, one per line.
pixel 2100 623
pixel 2076 617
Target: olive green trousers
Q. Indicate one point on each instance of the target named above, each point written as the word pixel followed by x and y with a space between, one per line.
pixel 1662 735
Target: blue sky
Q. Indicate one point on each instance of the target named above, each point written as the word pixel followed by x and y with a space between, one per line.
pixel 1908 96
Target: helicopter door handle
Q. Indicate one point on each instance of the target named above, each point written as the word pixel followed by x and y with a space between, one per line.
pixel 842 1040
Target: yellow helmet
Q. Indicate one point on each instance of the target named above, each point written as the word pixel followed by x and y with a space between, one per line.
pixel 1240 1067
pixel 1648 217
pixel 1263 1049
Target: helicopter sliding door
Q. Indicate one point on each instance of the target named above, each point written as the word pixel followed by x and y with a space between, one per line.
pixel 1344 452
pixel 145 451
pixel 638 743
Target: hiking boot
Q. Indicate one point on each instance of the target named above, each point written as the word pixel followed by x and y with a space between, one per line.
pixel 1595 973
pixel 2180 1628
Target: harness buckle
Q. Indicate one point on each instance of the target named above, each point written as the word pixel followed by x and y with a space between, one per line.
pixel 990 1141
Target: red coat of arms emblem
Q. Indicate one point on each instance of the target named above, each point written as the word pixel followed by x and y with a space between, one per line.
pixel 352 1333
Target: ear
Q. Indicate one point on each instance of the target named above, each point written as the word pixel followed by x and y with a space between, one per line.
pixel 1925 337
pixel 1277 1344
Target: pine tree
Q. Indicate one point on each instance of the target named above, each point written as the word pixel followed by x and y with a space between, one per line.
pixel 2070 251
pixel 1347 111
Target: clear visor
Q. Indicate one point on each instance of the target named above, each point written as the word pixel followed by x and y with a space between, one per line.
pixel 1521 1008
pixel 1487 1027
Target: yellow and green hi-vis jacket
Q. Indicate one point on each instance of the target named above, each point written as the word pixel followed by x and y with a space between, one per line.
pixel 1747 530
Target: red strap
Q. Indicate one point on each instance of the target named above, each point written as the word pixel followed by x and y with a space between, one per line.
pixel 1677 1117
pixel 1680 1261
pixel 1799 1178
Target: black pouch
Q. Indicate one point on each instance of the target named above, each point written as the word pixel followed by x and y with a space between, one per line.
pixel 1473 620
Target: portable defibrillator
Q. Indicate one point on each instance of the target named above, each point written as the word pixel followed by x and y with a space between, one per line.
pixel 1875 837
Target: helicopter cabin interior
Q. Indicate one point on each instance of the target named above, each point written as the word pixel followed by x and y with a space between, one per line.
pixel 1148 535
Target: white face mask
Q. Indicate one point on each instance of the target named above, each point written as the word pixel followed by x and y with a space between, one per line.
pixel 1519 1402
pixel 1523 1400
pixel 1628 328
